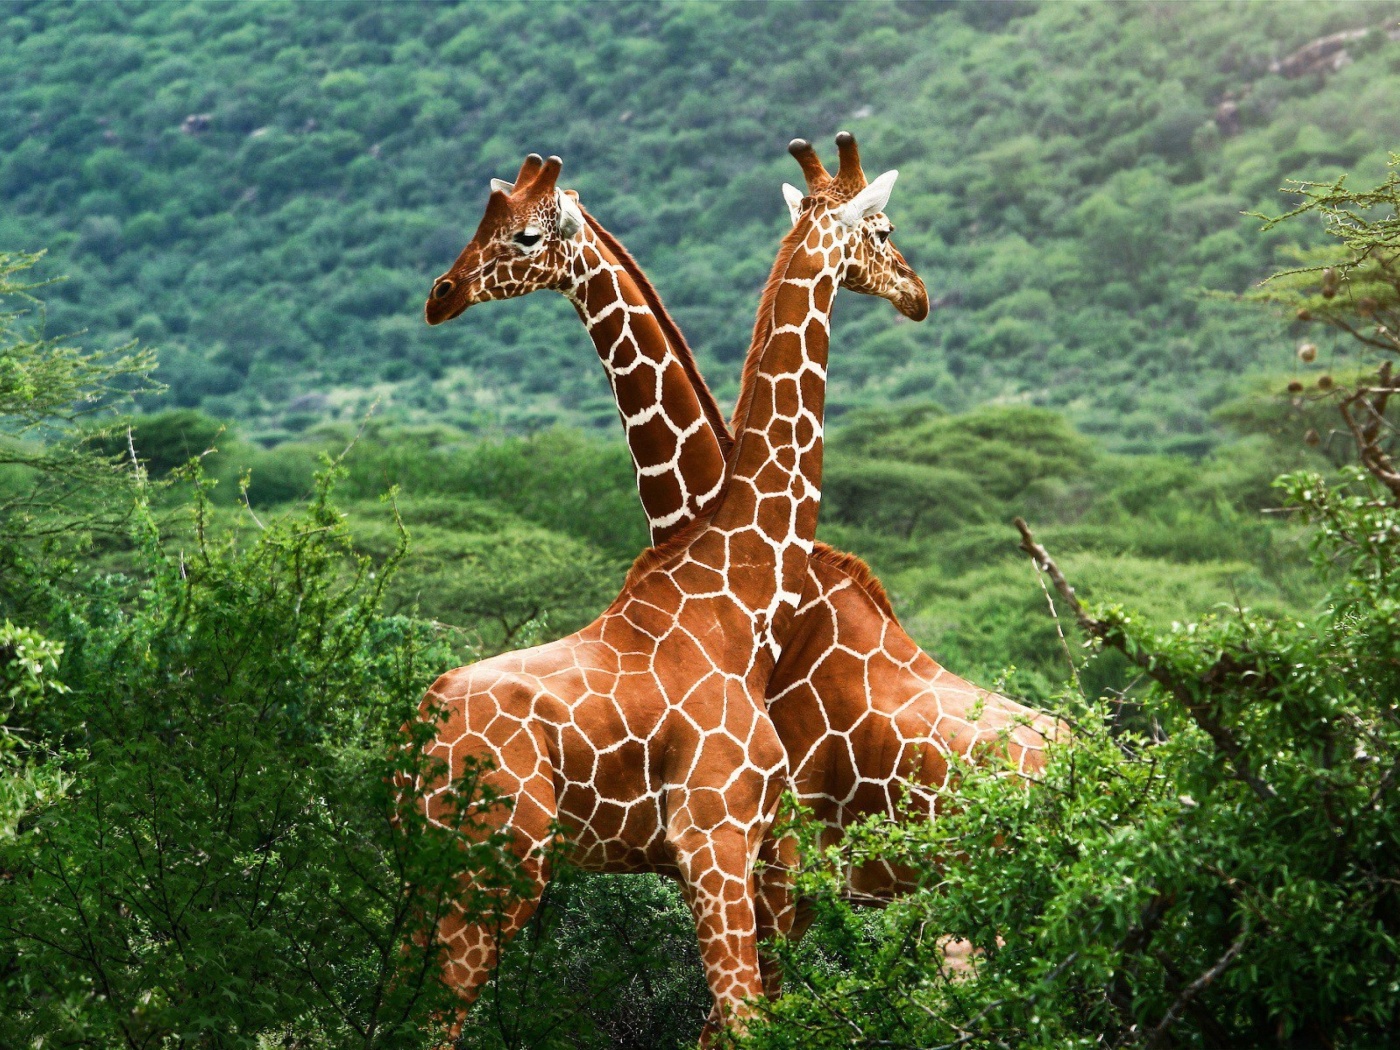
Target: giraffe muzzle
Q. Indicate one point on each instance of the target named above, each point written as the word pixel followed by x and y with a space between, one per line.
pixel 451 296
pixel 438 311
pixel 912 297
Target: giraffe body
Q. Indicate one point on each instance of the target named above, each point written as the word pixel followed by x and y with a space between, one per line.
pixel 859 707
pixel 647 734
pixel 605 733
pixel 865 714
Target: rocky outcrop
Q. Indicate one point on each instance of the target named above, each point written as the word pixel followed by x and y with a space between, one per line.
pixel 1324 55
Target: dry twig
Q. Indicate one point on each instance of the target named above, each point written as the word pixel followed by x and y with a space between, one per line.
pixel 1370 403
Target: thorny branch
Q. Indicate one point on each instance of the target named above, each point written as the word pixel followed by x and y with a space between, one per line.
pixel 1107 634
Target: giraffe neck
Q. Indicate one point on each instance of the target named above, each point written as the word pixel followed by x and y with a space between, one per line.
pixel 674 439
pixel 768 513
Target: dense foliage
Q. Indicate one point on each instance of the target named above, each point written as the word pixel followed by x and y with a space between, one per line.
pixel 265 192
pixel 1213 864
pixel 204 666
pixel 609 962
pixel 204 840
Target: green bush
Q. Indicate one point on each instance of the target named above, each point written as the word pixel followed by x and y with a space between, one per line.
pixel 233 860
pixel 206 832
pixel 1210 861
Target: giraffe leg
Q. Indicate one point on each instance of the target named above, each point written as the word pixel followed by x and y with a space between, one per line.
pixel 776 906
pixel 472 950
pixel 803 915
pixel 471 946
pixel 717 880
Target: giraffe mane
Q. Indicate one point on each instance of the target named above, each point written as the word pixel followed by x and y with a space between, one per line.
pixel 663 551
pixel 860 574
pixel 670 330
pixel 763 324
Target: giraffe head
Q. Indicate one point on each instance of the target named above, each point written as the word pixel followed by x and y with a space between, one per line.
pixel 850 214
pixel 521 245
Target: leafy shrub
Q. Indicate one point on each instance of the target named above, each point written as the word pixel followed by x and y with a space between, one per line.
pixel 205 832
pixel 233 859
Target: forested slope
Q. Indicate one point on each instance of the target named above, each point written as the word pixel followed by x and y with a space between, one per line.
pixel 264 192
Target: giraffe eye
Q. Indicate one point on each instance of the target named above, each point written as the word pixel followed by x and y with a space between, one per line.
pixel 883 235
pixel 528 238
pixel 442 288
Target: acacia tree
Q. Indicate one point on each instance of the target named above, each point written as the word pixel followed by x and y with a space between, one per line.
pixel 47 385
pixel 1222 871
pixel 1353 288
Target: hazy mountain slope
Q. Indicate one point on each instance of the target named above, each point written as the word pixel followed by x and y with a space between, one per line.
pixel 265 192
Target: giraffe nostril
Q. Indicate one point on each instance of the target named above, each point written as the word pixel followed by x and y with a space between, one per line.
pixel 442 288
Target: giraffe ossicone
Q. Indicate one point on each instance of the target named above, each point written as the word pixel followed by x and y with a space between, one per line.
pixel 869 200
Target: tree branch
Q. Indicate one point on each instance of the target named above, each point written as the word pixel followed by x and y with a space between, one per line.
pixel 1197 986
pixel 1366 432
pixel 1108 634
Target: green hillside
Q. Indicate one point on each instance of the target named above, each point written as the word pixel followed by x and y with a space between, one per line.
pixel 264 192
pixel 221 603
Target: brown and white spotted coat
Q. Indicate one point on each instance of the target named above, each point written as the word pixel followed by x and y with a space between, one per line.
pixel 534 236
pixel 859 706
pixel 646 734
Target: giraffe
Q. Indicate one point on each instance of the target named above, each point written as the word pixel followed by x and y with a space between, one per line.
pixel 646 735
pixel 674 428
pixel 862 711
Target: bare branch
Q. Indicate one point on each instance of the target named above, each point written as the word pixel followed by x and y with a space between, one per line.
pixel 1197 986
pixel 1106 634
pixel 1371 402
pixel 1047 565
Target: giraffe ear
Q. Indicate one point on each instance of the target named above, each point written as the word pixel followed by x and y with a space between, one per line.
pixel 502 186
pixel 793 196
pixel 570 217
pixel 870 200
